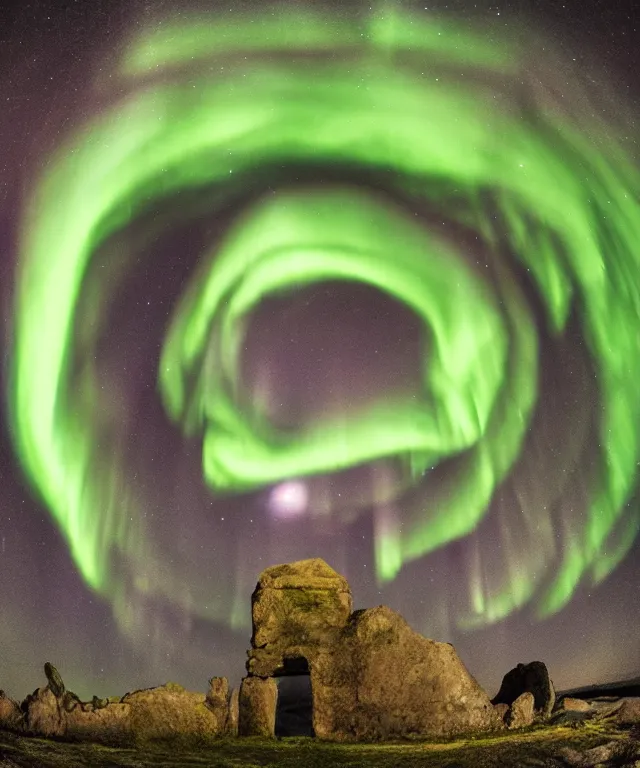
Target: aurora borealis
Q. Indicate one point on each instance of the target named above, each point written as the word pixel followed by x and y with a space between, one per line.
pixel 360 286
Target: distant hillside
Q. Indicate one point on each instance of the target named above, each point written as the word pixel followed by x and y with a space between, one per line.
pixel 629 687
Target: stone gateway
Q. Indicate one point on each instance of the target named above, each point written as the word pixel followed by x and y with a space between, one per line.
pixel 372 676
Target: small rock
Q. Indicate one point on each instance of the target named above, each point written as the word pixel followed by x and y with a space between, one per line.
pixel 629 712
pixel 99 703
pixel 56 685
pixel 69 701
pixel 575 705
pixel 521 713
pixel 218 690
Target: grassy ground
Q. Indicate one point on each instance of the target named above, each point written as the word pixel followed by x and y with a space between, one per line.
pixel 540 747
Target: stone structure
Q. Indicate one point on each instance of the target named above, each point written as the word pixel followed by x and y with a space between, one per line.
pixel 234 706
pixel 298 611
pixel 372 676
pixel 257 703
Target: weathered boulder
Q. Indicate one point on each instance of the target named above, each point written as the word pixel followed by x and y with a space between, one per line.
pixel 217 702
pixel 532 678
pixel 54 680
pixel 629 712
pixel 171 712
pixel 43 713
pixel 569 704
pixel 521 711
pixel 257 707
pixel 10 713
pixel 298 609
pixel 382 680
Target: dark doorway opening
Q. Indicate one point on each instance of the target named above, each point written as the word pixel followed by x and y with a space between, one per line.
pixel 294 709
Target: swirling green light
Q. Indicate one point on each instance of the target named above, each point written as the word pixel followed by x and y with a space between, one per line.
pixel 305 237
pixel 569 207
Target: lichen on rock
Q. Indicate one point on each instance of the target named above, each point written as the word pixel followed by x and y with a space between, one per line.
pixel 372 676
pixel 297 610
pixel 382 680
pixel 521 712
pixel 257 705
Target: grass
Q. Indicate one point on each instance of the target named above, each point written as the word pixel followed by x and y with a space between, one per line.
pixel 531 747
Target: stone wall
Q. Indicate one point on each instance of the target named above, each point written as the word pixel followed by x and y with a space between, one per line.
pixel 165 713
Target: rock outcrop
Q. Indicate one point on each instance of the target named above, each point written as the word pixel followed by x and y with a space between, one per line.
pixel 110 724
pixel 171 712
pixel 528 678
pixel 44 714
pixel 10 714
pixel 610 755
pixel 382 680
pixel 168 712
pixel 372 676
pixel 218 702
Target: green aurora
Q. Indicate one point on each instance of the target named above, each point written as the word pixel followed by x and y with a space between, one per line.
pixel 567 199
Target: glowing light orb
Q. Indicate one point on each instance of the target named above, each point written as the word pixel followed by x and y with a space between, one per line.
pixel 288 500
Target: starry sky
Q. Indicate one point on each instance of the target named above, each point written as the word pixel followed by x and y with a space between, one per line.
pixel 369 296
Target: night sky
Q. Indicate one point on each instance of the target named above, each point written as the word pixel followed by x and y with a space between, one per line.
pixel 369 295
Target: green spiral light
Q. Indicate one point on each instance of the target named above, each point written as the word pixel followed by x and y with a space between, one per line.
pixel 561 198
